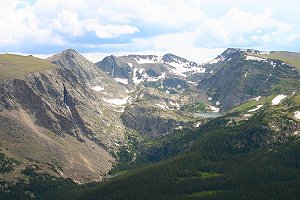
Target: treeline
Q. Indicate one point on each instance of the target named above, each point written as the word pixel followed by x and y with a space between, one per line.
pixel 223 159
pixel 241 165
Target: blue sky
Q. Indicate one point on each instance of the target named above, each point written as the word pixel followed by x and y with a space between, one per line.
pixel 194 29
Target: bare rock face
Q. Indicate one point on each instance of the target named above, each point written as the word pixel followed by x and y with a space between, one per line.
pixel 168 73
pixel 144 121
pixel 60 120
pixel 237 76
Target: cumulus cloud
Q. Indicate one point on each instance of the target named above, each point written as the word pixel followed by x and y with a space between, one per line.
pixel 51 21
pixel 189 28
pixel 19 24
pixel 240 28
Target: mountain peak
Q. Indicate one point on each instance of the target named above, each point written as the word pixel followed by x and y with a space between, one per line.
pixel 231 53
pixel 173 58
pixel 69 51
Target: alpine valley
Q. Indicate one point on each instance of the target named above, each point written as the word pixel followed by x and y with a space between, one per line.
pixel 150 127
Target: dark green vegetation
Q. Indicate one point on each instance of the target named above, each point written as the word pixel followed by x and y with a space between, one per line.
pixel 15 66
pixel 223 159
pixel 223 162
pixel 7 164
pixel 226 158
pixel 216 161
pixel 41 186
pixel 196 107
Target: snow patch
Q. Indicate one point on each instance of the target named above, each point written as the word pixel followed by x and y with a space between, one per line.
pixel 297 114
pixel 197 124
pixel 273 64
pixel 247 115
pixel 193 83
pixel 121 80
pixel 209 98
pixel 116 102
pixel 255 58
pixel 180 68
pixel 278 98
pixel 214 109
pixel 121 110
pixel 179 128
pixel 97 88
pixel 129 91
pixel 162 106
pixel 214 61
pixel 176 105
pixel 141 70
pixel 257 98
pixel 218 103
pixel 145 61
pixel 255 109
pixel 135 78
pixel 245 75
pixel 130 65
pixel 264 52
pixel 153 79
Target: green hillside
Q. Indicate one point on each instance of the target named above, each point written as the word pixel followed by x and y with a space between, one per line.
pixel 227 158
pixel 16 66
pixel 291 58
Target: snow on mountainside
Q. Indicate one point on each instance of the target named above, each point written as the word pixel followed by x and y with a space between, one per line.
pixel 238 75
pixel 168 72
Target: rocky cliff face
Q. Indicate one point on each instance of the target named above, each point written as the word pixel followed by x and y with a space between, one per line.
pixel 239 75
pixel 167 73
pixel 155 113
pixel 62 119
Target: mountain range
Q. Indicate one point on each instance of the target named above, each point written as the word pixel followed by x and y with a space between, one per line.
pixel 150 127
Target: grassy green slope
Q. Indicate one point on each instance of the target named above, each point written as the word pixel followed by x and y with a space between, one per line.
pixel 292 58
pixel 15 66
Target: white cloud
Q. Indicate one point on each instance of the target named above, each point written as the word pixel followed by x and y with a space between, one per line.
pixel 109 30
pixel 238 27
pixel 48 21
pixel 181 44
pixel 187 28
pixel 19 24
pixel 293 38
pixel 67 22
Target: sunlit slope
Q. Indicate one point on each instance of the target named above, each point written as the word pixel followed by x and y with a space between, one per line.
pixel 291 58
pixel 16 66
